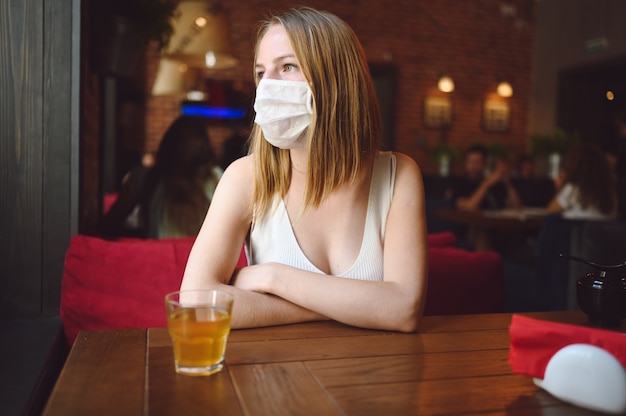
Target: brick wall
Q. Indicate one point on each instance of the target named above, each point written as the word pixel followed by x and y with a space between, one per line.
pixel 473 41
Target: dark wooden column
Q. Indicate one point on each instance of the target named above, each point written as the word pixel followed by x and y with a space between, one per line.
pixel 39 132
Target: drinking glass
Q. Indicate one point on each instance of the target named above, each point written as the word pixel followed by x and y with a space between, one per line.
pixel 198 322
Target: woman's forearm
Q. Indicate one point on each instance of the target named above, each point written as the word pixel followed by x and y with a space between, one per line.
pixel 254 309
pixel 382 305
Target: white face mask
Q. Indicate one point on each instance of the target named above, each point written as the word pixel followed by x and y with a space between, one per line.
pixel 283 110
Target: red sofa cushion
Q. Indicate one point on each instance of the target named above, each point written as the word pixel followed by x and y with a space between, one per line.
pixel 120 284
pixel 461 282
pixel 442 239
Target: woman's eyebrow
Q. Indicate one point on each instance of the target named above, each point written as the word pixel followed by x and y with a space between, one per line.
pixel 276 60
pixel 283 57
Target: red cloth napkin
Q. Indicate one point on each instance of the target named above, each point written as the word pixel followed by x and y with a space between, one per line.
pixel 535 341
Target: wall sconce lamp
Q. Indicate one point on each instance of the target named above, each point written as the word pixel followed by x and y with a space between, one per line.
pixel 504 89
pixel 437 112
pixel 445 84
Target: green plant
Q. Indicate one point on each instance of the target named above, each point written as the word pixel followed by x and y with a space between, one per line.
pixel 498 150
pixel 441 150
pixel 559 142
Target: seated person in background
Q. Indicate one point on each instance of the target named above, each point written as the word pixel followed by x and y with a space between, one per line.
pixel 475 191
pixel 525 168
pixel 618 150
pixel 534 191
pixel 121 216
pixel 588 190
pixel 174 195
pixel 236 145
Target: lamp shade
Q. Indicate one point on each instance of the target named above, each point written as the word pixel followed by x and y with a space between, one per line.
pixel 170 78
pixel 201 37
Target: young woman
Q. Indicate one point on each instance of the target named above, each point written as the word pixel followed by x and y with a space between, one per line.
pixel 333 228
pixel 588 191
pixel 179 188
pixel 171 198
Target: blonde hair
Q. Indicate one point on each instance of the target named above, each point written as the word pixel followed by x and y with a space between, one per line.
pixel 344 135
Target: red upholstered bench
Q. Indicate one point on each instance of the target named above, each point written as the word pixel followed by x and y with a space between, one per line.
pixel 461 281
pixel 121 284
pixel 464 282
pixel 442 239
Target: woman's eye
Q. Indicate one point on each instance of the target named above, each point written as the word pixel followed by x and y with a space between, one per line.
pixel 259 75
pixel 289 67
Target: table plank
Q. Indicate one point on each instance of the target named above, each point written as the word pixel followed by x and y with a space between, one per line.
pixel 272 351
pixel 103 375
pixel 331 329
pixel 315 329
pixel 488 220
pixel 443 397
pixel 406 368
pixel 281 389
pixel 213 395
pixel 321 329
pixel 456 323
pixel 541 403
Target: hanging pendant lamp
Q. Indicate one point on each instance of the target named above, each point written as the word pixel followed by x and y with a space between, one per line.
pixel 201 37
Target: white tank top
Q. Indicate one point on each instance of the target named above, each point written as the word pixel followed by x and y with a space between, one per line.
pixel 273 239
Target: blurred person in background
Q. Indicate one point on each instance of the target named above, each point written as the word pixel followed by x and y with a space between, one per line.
pixel 587 189
pixel 533 190
pixel 236 145
pixel 618 151
pixel 172 197
pixel 475 190
pixel 525 167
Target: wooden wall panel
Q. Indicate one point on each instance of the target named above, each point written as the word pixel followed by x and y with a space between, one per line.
pixel 38 122
pixel 60 138
pixel 21 199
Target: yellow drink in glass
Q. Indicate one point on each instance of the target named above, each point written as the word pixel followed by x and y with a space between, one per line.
pixel 199 332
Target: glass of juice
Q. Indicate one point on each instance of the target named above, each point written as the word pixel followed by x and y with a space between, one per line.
pixel 198 322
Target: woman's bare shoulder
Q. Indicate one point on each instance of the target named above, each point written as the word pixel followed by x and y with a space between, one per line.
pixel 407 166
pixel 238 178
pixel 240 170
pixel 241 165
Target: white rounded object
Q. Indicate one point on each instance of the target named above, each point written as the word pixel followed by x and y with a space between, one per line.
pixel 587 376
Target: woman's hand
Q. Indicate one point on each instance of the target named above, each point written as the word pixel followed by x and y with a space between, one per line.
pixel 500 173
pixel 255 278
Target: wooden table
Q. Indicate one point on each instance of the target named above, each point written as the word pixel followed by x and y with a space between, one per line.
pixel 499 220
pixel 453 365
